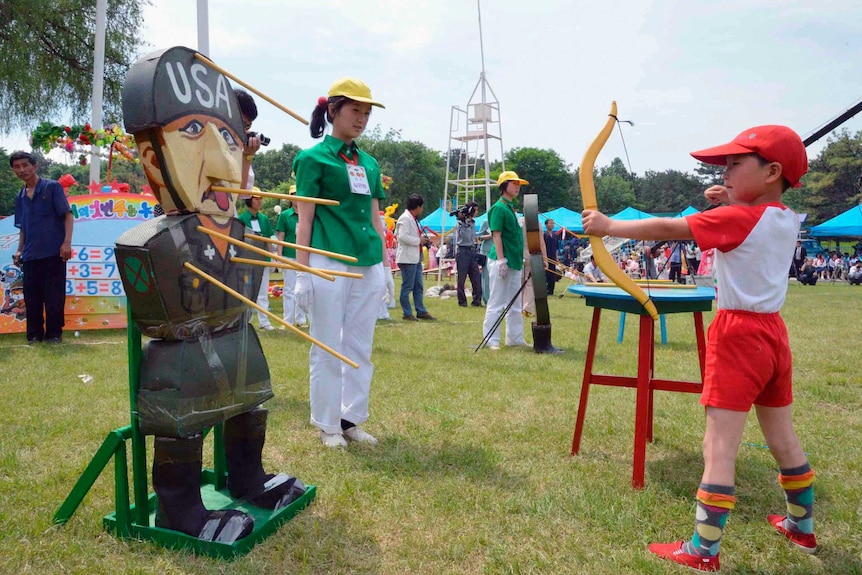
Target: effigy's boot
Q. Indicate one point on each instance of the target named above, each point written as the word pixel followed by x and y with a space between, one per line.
pixel 542 340
pixel 177 482
pixel 244 437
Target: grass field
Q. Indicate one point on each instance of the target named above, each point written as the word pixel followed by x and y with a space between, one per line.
pixel 473 473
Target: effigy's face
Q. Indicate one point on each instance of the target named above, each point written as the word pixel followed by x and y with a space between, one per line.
pixel 188 128
pixel 198 152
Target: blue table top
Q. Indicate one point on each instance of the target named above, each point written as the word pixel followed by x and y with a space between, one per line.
pixel 665 300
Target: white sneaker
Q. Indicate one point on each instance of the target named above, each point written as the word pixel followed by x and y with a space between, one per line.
pixel 267 328
pixel 359 435
pixel 494 347
pixel 333 440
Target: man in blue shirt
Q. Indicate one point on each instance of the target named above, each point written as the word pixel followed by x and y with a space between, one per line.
pixel 44 220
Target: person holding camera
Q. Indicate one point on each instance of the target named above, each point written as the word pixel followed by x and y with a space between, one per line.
pixel 343 313
pixel 248 110
pixel 505 261
pixel 465 255
pixel 408 256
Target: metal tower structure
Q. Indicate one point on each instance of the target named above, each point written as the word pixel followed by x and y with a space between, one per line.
pixel 471 133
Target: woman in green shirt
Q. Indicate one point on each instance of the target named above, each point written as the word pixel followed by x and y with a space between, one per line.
pixel 285 229
pixel 258 223
pixel 342 313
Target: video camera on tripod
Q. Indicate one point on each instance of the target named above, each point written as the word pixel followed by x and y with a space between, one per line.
pixel 468 210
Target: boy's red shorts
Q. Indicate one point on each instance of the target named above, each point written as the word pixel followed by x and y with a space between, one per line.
pixel 748 361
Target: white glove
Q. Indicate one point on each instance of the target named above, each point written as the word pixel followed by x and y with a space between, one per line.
pixel 303 292
pixel 389 294
pixel 502 268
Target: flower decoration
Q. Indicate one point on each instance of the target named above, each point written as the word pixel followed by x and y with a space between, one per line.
pixel 67 181
pixel 387 181
pixel 77 139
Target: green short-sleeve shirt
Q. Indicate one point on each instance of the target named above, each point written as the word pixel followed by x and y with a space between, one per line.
pixel 287 224
pixel 348 228
pixel 264 224
pixel 502 218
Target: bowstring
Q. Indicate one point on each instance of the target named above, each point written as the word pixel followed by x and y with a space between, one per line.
pixel 631 173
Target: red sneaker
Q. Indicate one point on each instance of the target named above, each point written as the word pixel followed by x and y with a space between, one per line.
pixel 805 541
pixel 674 552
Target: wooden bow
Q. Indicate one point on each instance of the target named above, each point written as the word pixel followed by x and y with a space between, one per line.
pixel 588 194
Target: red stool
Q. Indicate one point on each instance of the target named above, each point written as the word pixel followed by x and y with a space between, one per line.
pixel 668 301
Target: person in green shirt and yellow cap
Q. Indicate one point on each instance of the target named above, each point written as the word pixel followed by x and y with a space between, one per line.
pixel 343 313
pixel 285 229
pixel 258 224
pixel 505 261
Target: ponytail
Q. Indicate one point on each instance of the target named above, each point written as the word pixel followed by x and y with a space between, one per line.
pixel 318 117
pixel 320 114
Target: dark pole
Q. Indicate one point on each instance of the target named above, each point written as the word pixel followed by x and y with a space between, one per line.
pixel 834 123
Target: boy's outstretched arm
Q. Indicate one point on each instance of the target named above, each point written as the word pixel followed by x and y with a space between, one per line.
pixel 597 224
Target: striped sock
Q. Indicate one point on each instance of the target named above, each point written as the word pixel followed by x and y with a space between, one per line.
pixel 714 503
pixel 798 486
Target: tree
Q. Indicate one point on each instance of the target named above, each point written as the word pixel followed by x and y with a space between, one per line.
pixel 413 167
pixel 709 174
pixel 9 185
pixel 668 191
pixel 832 185
pixel 46 57
pixel 274 167
pixel 547 173
pixel 614 193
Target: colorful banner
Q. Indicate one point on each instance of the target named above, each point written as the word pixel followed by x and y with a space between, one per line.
pixel 94 291
pixel 112 206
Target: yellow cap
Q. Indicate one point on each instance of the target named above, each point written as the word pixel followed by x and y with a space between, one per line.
pixel 292 189
pixel 355 90
pixel 510 176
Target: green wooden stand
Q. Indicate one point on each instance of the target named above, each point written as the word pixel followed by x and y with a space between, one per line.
pixel 136 520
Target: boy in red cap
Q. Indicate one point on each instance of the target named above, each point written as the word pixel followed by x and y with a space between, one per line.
pixel 748 358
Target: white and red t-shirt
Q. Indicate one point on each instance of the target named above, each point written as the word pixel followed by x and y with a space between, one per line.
pixel 754 249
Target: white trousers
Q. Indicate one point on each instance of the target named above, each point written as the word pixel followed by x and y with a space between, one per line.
pixel 502 292
pixel 343 316
pixel 263 299
pixel 292 313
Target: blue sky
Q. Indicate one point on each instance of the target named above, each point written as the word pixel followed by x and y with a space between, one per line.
pixel 689 74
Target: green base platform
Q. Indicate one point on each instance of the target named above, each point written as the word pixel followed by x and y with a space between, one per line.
pixel 134 516
pixel 266 522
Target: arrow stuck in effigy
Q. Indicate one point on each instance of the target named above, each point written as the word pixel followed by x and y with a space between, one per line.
pixel 308 249
pixel 241 244
pixel 291 197
pixel 292 266
pixel 269 314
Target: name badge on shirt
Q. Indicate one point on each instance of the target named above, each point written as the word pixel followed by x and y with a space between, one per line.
pixel 358 181
pixel 255 225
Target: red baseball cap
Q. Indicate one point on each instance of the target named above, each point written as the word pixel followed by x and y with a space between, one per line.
pixel 772 143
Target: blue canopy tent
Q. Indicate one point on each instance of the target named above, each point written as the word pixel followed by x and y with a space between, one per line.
pixel 631 213
pixel 846 224
pixel 435 219
pixel 687 212
pixel 566 218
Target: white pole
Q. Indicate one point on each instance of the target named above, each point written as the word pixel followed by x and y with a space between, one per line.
pixel 203 27
pixel 98 87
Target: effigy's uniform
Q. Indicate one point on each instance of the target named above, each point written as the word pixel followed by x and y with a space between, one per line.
pixel 204 364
